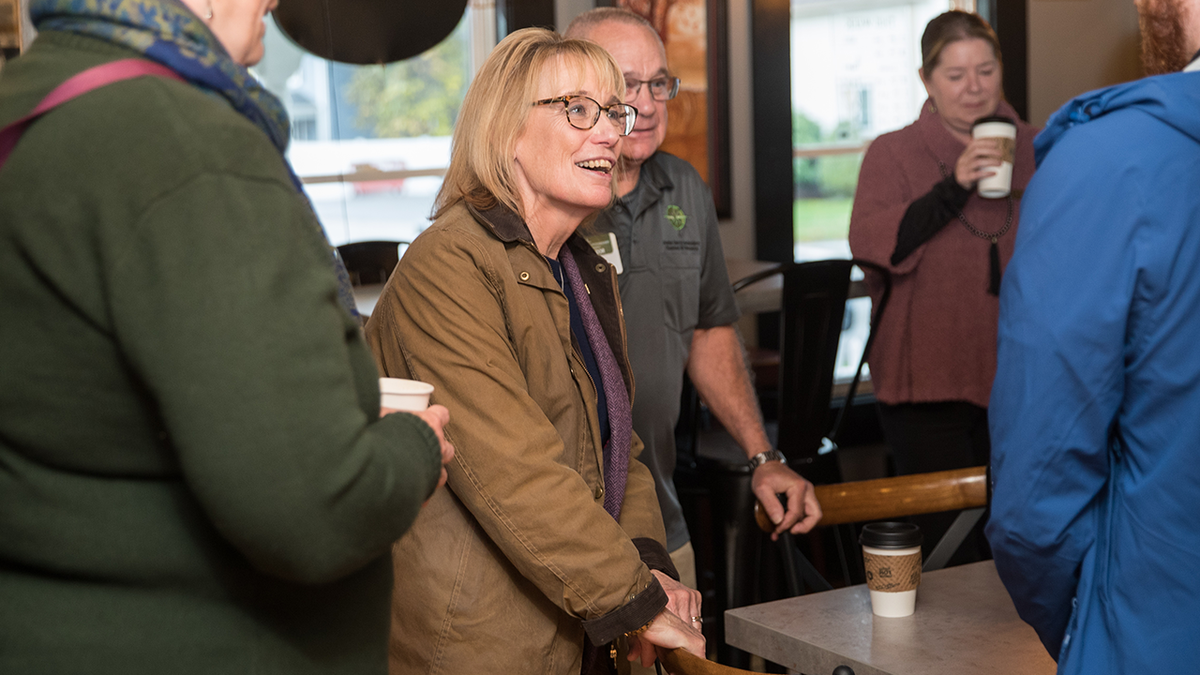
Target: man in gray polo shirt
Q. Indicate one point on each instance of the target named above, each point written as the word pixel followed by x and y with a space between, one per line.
pixel 679 309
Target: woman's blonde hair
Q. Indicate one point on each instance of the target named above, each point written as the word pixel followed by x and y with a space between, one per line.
pixel 950 27
pixel 482 169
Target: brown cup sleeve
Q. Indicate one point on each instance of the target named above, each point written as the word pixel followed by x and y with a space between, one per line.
pixel 1008 149
pixel 892 573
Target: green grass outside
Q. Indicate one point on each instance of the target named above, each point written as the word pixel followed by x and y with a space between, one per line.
pixel 822 219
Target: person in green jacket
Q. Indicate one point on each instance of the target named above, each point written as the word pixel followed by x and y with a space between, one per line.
pixel 195 476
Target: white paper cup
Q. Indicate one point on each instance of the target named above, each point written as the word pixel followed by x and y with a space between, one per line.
pixel 894 604
pixel 406 395
pixel 892 558
pixel 998 184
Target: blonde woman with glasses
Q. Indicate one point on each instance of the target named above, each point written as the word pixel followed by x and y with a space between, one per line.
pixel 548 546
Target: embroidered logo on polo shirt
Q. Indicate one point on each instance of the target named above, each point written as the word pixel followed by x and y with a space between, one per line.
pixel 676 217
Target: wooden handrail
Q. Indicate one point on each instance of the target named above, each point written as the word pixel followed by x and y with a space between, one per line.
pixel 682 662
pixel 885 498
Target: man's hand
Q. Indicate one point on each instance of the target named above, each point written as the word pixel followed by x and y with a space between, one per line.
pixel 717 367
pixel 802 509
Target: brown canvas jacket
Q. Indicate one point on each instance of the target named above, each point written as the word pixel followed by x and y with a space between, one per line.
pixel 507 569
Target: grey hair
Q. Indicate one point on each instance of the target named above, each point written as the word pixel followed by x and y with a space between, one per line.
pixel 582 25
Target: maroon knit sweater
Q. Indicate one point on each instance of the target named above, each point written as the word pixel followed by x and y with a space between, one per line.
pixel 937 341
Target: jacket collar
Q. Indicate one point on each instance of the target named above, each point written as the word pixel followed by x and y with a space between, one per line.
pixel 653 177
pixel 1172 99
pixel 600 279
pixel 504 223
pixel 507 226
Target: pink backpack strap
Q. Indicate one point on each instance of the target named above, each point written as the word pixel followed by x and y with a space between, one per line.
pixel 79 84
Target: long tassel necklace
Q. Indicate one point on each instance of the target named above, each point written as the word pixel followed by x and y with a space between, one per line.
pixel 993 250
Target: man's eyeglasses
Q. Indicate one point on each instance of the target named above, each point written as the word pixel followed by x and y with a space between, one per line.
pixel 583 112
pixel 661 88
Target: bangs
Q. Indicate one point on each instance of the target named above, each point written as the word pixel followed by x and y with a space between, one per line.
pixel 578 59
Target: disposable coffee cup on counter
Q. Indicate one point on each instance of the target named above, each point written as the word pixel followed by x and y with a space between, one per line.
pixel 406 395
pixel 1004 130
pixel 892 557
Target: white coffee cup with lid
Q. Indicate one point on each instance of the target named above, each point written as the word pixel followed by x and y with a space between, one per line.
pixel 1004 130
pixel 892 558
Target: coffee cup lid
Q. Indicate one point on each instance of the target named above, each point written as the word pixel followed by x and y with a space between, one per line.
pixel 994 118
pixel 890 535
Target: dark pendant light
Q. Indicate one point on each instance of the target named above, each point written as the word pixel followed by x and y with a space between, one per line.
pixel 368 31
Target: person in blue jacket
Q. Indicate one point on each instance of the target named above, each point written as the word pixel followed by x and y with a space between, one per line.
pixel 1095 409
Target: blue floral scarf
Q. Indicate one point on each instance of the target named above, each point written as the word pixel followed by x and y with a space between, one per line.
pixel 167 32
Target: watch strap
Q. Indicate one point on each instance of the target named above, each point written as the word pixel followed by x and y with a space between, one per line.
pixel 761 458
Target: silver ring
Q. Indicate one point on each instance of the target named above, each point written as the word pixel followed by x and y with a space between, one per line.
pixel 696 619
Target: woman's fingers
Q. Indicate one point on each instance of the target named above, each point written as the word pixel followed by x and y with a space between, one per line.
pixel 437 417
pixel 682 601
pixel 977 161
pixel 666 631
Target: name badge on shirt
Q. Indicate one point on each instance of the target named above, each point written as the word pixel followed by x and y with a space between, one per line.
pixel 605 245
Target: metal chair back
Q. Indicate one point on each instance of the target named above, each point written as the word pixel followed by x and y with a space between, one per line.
pixel 370 262
pixel 812 313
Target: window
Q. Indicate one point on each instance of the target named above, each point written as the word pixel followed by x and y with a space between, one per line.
pixel 854 77
pixel 371 143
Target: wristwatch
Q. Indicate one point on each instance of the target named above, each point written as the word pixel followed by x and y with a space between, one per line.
pixel 761 458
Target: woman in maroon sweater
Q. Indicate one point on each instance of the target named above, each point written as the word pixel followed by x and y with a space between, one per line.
pixel 916 212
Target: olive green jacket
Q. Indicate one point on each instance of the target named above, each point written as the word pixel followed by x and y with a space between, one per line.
pixel 193 474
pixel 506 571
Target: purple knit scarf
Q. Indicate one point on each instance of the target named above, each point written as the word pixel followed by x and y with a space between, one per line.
pixel 620 416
